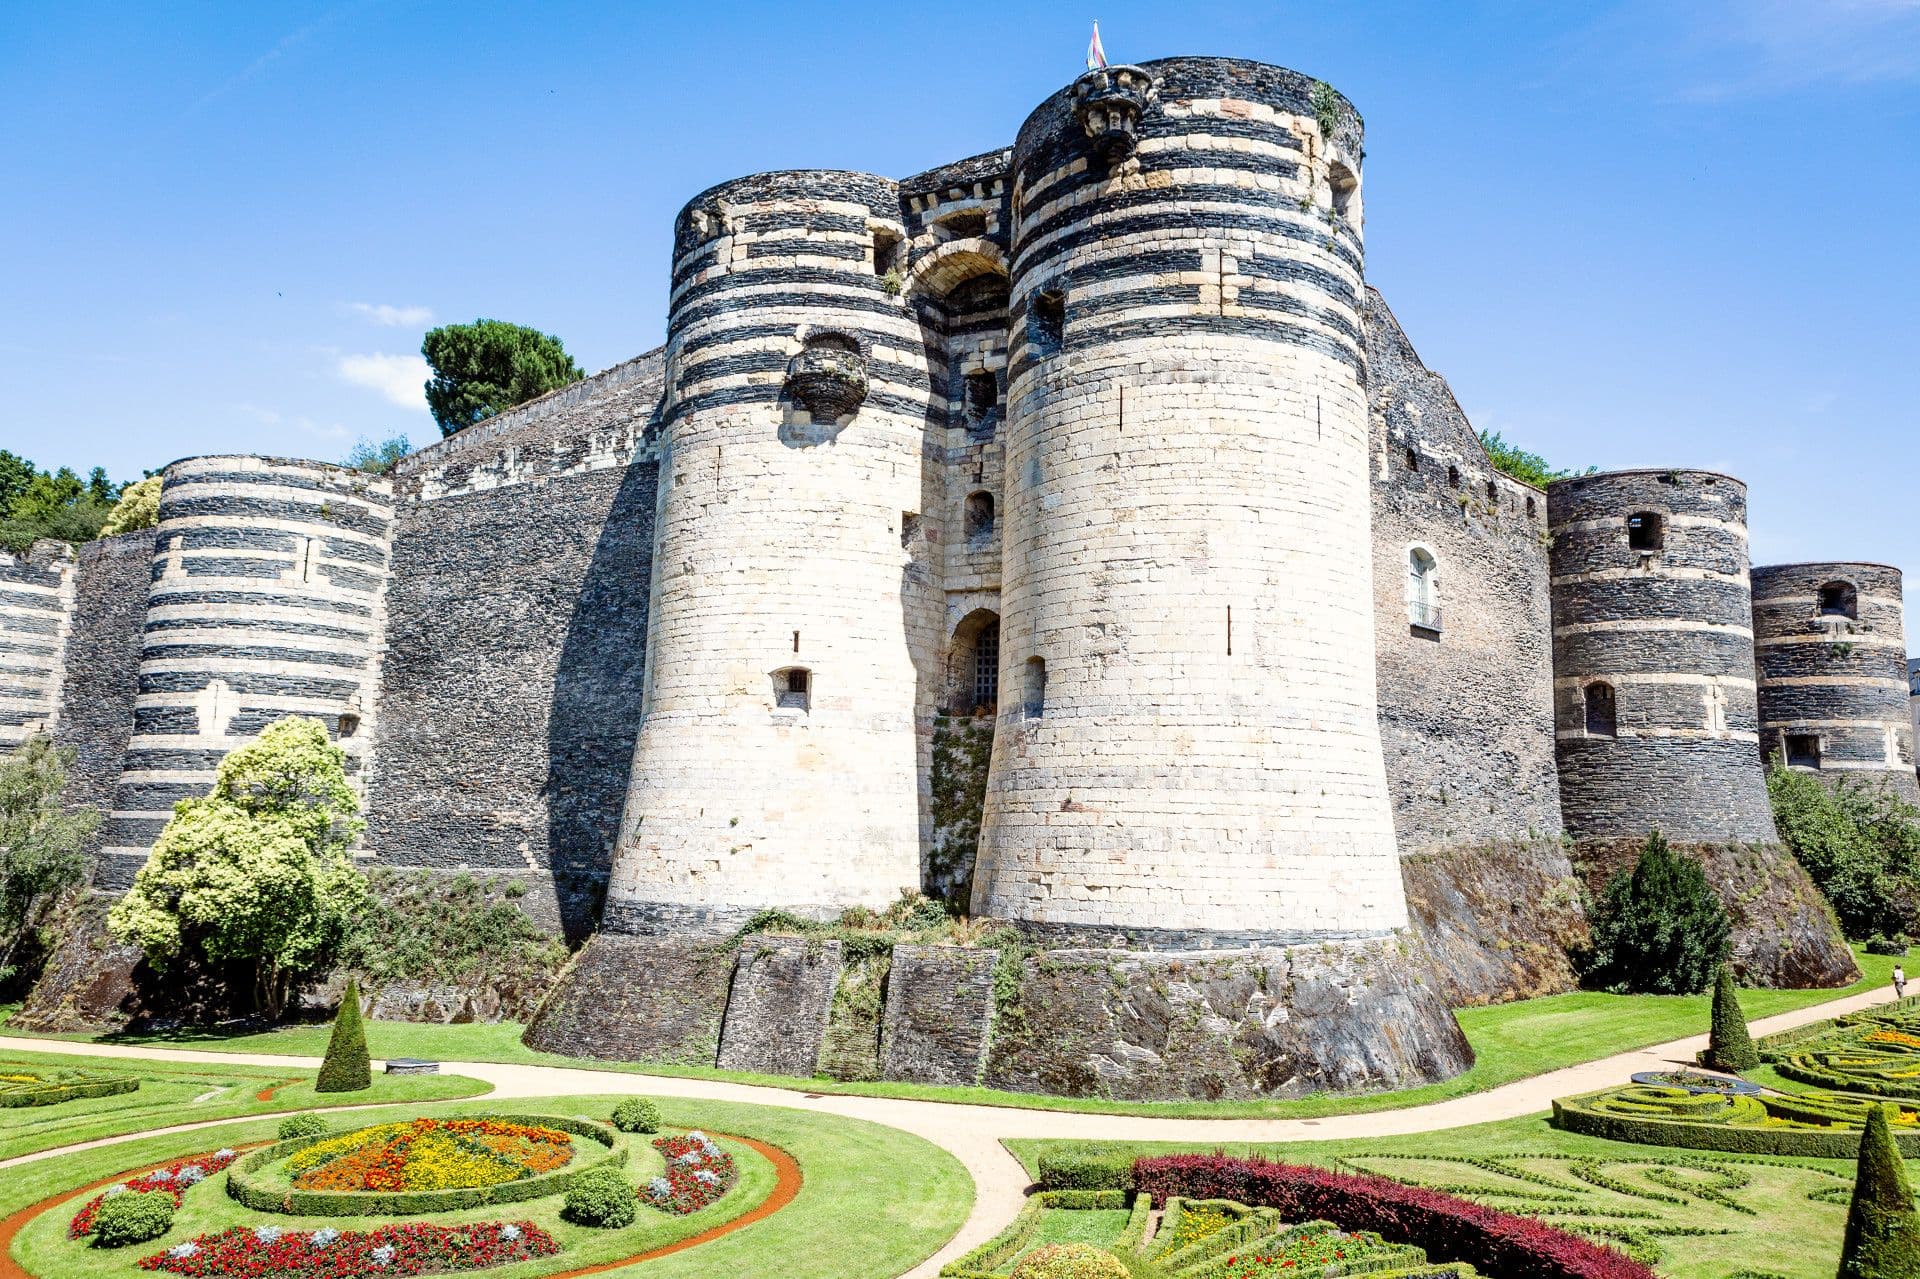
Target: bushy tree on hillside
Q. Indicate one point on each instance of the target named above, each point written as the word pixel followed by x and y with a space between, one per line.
pixel 381 458
pixel 257 873
pixel 56 504
pixel 138 508
pixel 40 843
pixel 489 366
pixel 1860 843
pixel 1527 467
pixel 1659 928
pixel 1883 1233
pixel 1729 1043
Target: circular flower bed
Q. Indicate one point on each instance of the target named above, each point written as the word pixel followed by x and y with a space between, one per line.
pixel 423 1165
pixel 1812 1124
pixel 175 1179
pixel 414 1249
pixel 1694 1082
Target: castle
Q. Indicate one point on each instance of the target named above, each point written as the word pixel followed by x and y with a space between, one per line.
pixel 1303 718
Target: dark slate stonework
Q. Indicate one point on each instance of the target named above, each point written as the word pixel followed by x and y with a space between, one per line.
pixel 516 647
pixel 1466 707
pixel 637 999
pixel 1336 1017
pixel 939 1014
pixel 777 1008
pixel 102 664
pixel 1495 923
pixel 1783 932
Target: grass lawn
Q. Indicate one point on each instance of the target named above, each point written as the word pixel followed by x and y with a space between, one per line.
pixel 875 1200
pixel 184 1093
pixel 1511 1041
pixel 1693 1215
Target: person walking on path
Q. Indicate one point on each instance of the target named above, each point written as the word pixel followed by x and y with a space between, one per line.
pixel 1899 982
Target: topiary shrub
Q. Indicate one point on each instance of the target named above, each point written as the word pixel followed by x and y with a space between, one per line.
pixel 133 1217
pixel 1883 1232
pixel 1659 929
pixel 636 1114
pixel 303 1126
pixel 1072 1169
pixel 1069 1261
pixel 346 1068
pixel 1729 1045
pixel 600 1197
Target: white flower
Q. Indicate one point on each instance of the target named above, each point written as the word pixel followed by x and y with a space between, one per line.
pixel 267 1234
pixel 324 1237
pixel 115 1190
pixel 161 1176
pixel 509 1232
pixel 223 1153
pixel 707 1178
pixel 383 1255
pixel 697 1135
pixel 187 1249
pixel 193 1174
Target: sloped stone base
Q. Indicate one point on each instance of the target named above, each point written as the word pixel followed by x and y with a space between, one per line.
pixel 1495 923
pixel 777 1005
pixel 631 998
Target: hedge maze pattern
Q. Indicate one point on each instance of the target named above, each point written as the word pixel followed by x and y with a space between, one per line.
pixel 21 1087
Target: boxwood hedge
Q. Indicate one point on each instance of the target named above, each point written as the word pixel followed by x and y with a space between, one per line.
pixel 37 1087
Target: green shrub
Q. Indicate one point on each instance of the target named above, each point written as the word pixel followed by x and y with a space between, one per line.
pixel 1086 1170
pixel 132 1217
pixel 1881 945
pixel 346 1068
pixel 1859 843
pixel 636 1114
pixel 600 1197
pixel 1069 1261
pixel 1883 1232
pixel 303 1126
pixel 1729 1045
pixel 1658 929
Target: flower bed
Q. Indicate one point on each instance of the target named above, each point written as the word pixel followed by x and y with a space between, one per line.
pixel 413 1249
pixel 1318 1247
pixel 698 1173
pixel 1804 1125
pixel 269 1180
pixel 1447 1228
pixel 20 1086
pixel 175 1179
pixel 431 1154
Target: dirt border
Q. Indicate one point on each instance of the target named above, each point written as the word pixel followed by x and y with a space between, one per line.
pixel 786 1187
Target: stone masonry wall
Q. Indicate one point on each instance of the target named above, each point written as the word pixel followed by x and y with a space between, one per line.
pixel 939 1014
pixel 778 1004
pixel 36 610
pixel 102 667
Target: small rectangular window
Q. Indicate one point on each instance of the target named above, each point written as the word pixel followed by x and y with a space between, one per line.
pixel 1046 321
pixel 1803 750
pixel 1646 531
pixel 793 690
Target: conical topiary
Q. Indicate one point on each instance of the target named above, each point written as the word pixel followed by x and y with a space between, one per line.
pixel 346 1068
pixel 1729 1046
pixel 1883 1232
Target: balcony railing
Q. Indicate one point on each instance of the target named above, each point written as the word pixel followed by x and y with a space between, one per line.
pixel 1424 616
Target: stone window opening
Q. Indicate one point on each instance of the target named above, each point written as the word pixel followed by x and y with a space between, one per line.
pixel 909 529
pixel 1493 492
pixel 1034 703
pixel 1047 321
pixel 1423 591
pixel 1343 186
pixel 886 251
pixel 1531 508
pixel 979 516
pixel 349 724
pixel 1602 719
pixel 966 224
pixel 1453 476
pixel 986 666
pixel 973 665
pixel 793 689
pixel 1646 532
pixel 1413 459
pixel 1803 750
pixel 982 393
pixel 1840 599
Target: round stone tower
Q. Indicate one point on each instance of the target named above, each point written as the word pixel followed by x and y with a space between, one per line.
pixel 1830 643
pixel 1653 658
pixel 777 761
pixel 1188 751
pixel 267 599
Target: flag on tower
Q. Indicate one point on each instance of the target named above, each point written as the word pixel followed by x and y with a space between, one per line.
pixel 1096 56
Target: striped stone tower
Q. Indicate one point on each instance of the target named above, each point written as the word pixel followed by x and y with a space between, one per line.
pixel 1830 642
pixel 266 600
pixel 1188 751
pixel 778 761
pixel 1655 721
pixel 36 607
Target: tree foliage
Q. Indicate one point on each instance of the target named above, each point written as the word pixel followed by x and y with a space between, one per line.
pixel 257 873
pixel 1527 467
pixel 1658 929
pixel 1883 1233
pixel 41 843
pixel 138 508
pixel 346 1067
pixel 56 504
pixel 1859 843
pixel 488 367
pixel 381 458
pixel 1729 1043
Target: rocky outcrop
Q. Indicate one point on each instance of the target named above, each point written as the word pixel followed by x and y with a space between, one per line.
pixel 1495 923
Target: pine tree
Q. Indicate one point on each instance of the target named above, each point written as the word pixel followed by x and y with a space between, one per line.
pixel 346 1068
pixel 1729 1045
pixel 1883 1232
pixel 1658 928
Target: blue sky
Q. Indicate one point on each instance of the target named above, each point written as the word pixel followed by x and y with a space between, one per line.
pixel 1633 234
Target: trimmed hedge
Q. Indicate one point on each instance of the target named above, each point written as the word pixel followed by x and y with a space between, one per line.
pixel 1079 1170
pixel 636 1114
pixel 1574 1114
pixel 55 1086
pixel 245 1187
pixel 986 1261
pixel 1441 1224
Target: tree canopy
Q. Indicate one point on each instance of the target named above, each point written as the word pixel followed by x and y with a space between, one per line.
pixel 56 504
pixel 40 843
pixel 1527 467
pixel 488 367
pixel 381 458
pixel 257 873
pixel 1658 928
pixel 138 508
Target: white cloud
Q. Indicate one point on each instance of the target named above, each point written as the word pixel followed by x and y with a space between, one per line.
pixel 401 378
pixel 392 317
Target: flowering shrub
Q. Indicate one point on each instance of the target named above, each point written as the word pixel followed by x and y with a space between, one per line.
pixel 175 1180
pixel 415 1249
pixel 698 1173
pixel 1449 1229
pixel 430 1154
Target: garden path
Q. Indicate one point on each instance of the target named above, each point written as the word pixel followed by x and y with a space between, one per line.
pixel 973 1134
